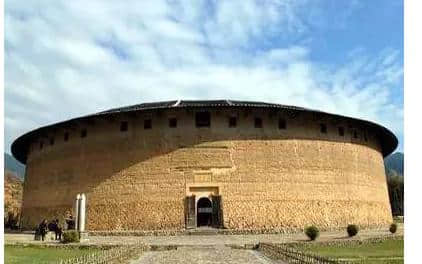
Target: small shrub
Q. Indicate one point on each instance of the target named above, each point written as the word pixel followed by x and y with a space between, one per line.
pixel 312 232
pixel 352 230
pixel 393 228
pixel 70 236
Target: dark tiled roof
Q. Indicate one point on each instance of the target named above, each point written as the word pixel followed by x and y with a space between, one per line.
pixel 20 145
pixel 199 103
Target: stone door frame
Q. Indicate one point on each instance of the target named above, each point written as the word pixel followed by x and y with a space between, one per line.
pixel 202 190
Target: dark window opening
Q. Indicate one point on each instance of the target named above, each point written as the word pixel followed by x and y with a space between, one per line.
pixel 147 124
pixel 365 136
pixel 258 122
pixel 41 144
pixel 51 141
pixel 281 124
pixel 355 134
pixel 66 136
pixel 203 119
pixel 232 121
pixel 123 126
pixel 323 128
pixel 173 122
pixel 83 133
pixel 341 131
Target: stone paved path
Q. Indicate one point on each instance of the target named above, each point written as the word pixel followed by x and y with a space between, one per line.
pixel 204 254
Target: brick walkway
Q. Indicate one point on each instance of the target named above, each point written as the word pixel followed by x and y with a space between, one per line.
pixel 204 254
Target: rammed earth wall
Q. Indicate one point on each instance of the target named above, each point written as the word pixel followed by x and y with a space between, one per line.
pixel 267 177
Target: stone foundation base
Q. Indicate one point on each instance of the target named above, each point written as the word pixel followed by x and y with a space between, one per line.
pixel 184 232
pixel 83 236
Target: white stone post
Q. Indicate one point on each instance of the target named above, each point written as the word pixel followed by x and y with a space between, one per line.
pixel 81 220
pixel 76 215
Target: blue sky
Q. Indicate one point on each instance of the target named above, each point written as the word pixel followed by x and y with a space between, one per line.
pixel 69 58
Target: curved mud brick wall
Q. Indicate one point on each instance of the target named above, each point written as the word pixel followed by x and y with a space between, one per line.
pixel 267 177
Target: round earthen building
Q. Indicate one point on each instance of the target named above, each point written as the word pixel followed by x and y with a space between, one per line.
pixel 228 164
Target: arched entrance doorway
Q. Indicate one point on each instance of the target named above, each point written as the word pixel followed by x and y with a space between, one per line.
pixel 204 212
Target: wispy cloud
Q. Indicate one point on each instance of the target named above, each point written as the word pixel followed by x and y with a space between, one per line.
pixel 70 58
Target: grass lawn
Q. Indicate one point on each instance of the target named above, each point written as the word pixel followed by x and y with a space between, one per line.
pixel 33 254
pixel 388 250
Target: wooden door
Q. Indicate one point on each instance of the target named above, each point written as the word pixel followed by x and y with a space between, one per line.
pixel 190 212
pixel 217 211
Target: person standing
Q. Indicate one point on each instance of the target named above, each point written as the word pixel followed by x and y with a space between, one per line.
pixel 70 222
pixel 59 230
pixel 43 229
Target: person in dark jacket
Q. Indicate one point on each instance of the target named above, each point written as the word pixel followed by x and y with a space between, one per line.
pixel 70 222
pixel 58 231
pixel 52 225
pixel 43 229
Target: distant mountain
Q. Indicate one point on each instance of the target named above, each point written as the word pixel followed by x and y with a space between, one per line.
pixel 13 165
pixel 394 164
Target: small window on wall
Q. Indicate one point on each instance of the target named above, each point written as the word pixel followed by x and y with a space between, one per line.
pixel 173 122
pixel 355 134
pixel 123 126
pixel 66 136
pixel 232 121
pixel 51 141
pixel 282 123
pixel 203 119
pixel 84 133
pixel 41 144
pixel 323 128
pixel 258 122
pixel 147 124
pixel 341 131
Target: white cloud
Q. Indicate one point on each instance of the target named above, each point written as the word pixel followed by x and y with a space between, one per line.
pixel 70 58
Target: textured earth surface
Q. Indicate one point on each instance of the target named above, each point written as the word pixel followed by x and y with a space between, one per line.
pixel 267 178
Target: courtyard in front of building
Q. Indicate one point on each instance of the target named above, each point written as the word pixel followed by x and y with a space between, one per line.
pixel 214 248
